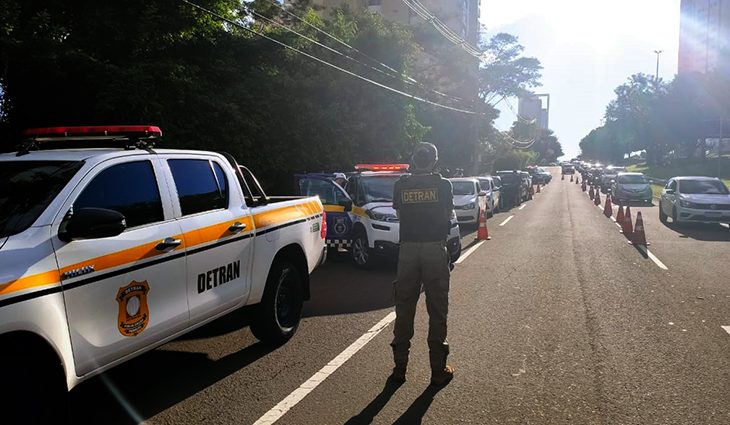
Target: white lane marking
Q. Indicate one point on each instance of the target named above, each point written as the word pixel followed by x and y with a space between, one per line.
pixel 618 225
pixel 653 258
pixel 613 218
pixel 726 328
pixel 506 221
pixel 523 206
pixel 298 395
pixel 468 252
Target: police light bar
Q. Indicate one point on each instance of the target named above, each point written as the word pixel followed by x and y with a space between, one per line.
pixel 382 167
pixel 146 131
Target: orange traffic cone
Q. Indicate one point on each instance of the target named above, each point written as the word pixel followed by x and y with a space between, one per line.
pixel 483 232
pixel 608 208
pixel 620 214
pixel 597 199
pixel 538 188
pixel 576 180
pixel 532 190
pixel 626 226
pixel 638 237
pixel 583 186
pixel 591 193
pixel 563 177
pixel 571 178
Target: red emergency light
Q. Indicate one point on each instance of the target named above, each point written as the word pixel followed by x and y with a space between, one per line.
pixel 381 167
pixel 94 131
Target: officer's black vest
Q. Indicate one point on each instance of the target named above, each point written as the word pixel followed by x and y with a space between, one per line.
pixel 424 202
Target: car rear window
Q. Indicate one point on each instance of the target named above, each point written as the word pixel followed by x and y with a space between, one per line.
pixel 632 180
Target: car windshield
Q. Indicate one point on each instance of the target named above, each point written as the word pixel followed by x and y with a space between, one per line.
pixel 378 188
pixel 26 189
pixel 463 188
pixel 704 187
pixel 632 180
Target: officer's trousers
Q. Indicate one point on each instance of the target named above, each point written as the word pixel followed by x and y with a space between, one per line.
pixel 422 263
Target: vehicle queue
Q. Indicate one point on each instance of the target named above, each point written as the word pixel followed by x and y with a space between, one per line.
pixel 361 220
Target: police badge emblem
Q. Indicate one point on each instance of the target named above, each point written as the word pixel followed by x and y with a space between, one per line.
pixel 133 311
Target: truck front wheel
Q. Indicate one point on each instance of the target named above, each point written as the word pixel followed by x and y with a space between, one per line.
pixel 277 317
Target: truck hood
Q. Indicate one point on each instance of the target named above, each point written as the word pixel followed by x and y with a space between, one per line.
pixel 707 199
pixel 460 200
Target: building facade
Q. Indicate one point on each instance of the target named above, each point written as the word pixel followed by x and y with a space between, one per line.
pixel 704 37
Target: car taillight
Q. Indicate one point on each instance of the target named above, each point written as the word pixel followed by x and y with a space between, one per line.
pixel 323 227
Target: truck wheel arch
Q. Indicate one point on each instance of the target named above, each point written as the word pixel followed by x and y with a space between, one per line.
pixel 295 254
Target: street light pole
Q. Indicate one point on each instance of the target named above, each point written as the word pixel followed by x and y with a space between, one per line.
pixel 658 52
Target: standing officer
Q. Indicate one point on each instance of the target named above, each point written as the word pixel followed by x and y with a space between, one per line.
pixel 424 202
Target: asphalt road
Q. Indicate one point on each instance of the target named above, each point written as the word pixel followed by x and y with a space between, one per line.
pixel 557 319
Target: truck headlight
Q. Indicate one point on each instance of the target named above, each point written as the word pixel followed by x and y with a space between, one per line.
pixel 380 216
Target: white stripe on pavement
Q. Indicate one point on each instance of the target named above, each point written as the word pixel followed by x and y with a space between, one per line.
pixel 298 395
pixel 506 221
pixel 727 328
pixel 652 257
pixel 523 206
pixel 469 252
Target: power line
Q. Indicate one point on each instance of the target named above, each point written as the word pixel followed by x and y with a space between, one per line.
pixel 399 76
pixel 322 61
pixel 425 14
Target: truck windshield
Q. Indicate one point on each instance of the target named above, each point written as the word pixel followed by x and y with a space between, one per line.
pixel 26 189
pixel 463 188
pixel 378 188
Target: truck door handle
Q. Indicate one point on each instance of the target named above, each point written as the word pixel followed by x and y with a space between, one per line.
pixel 237 227
pixel 167 244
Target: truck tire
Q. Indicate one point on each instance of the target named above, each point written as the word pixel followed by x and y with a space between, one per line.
pixel 277 317
pixel 34 388
pixel 362 255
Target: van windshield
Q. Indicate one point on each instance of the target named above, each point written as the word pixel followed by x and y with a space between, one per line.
pixel 26 189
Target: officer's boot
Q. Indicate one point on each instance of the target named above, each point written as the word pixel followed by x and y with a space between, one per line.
pixel 441 373
pixel 400 356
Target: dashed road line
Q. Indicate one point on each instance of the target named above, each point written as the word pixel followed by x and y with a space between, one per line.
pixel 506 221
pixel 298 395
pixel 653 257
pixel 523 206
pixel 726 328
pixel 468 252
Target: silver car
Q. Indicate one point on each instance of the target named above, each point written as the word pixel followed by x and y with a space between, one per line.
pixel 494 198
pixel 627 187
pixel 696 199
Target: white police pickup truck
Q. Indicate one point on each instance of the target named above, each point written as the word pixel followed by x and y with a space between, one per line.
pixel 106 253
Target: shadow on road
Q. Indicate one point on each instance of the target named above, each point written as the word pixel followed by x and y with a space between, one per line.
pixel 701 231
pixel 341 288
pixel 369 413
pixel 417 410
pixel 153 383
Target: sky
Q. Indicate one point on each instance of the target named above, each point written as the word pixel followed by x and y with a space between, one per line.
pixel 587 48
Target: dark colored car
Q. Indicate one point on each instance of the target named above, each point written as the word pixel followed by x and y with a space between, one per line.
pixel 514 188
pixel 539 175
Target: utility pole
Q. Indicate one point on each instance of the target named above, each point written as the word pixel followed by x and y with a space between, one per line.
pixel 656 76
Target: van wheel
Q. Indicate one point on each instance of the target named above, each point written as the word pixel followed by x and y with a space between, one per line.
pixel 34 388
pixel 362 255
pixel 277 317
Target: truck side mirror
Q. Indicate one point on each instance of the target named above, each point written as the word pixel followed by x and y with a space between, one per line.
pixel 92 223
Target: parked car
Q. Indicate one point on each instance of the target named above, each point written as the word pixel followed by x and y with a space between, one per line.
pixel 567 168
pixel 628 187
pixel 528 184
pixel 469 199
pixel 695 199
pixel 609 174
pixel 494 193
pixel 514 189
